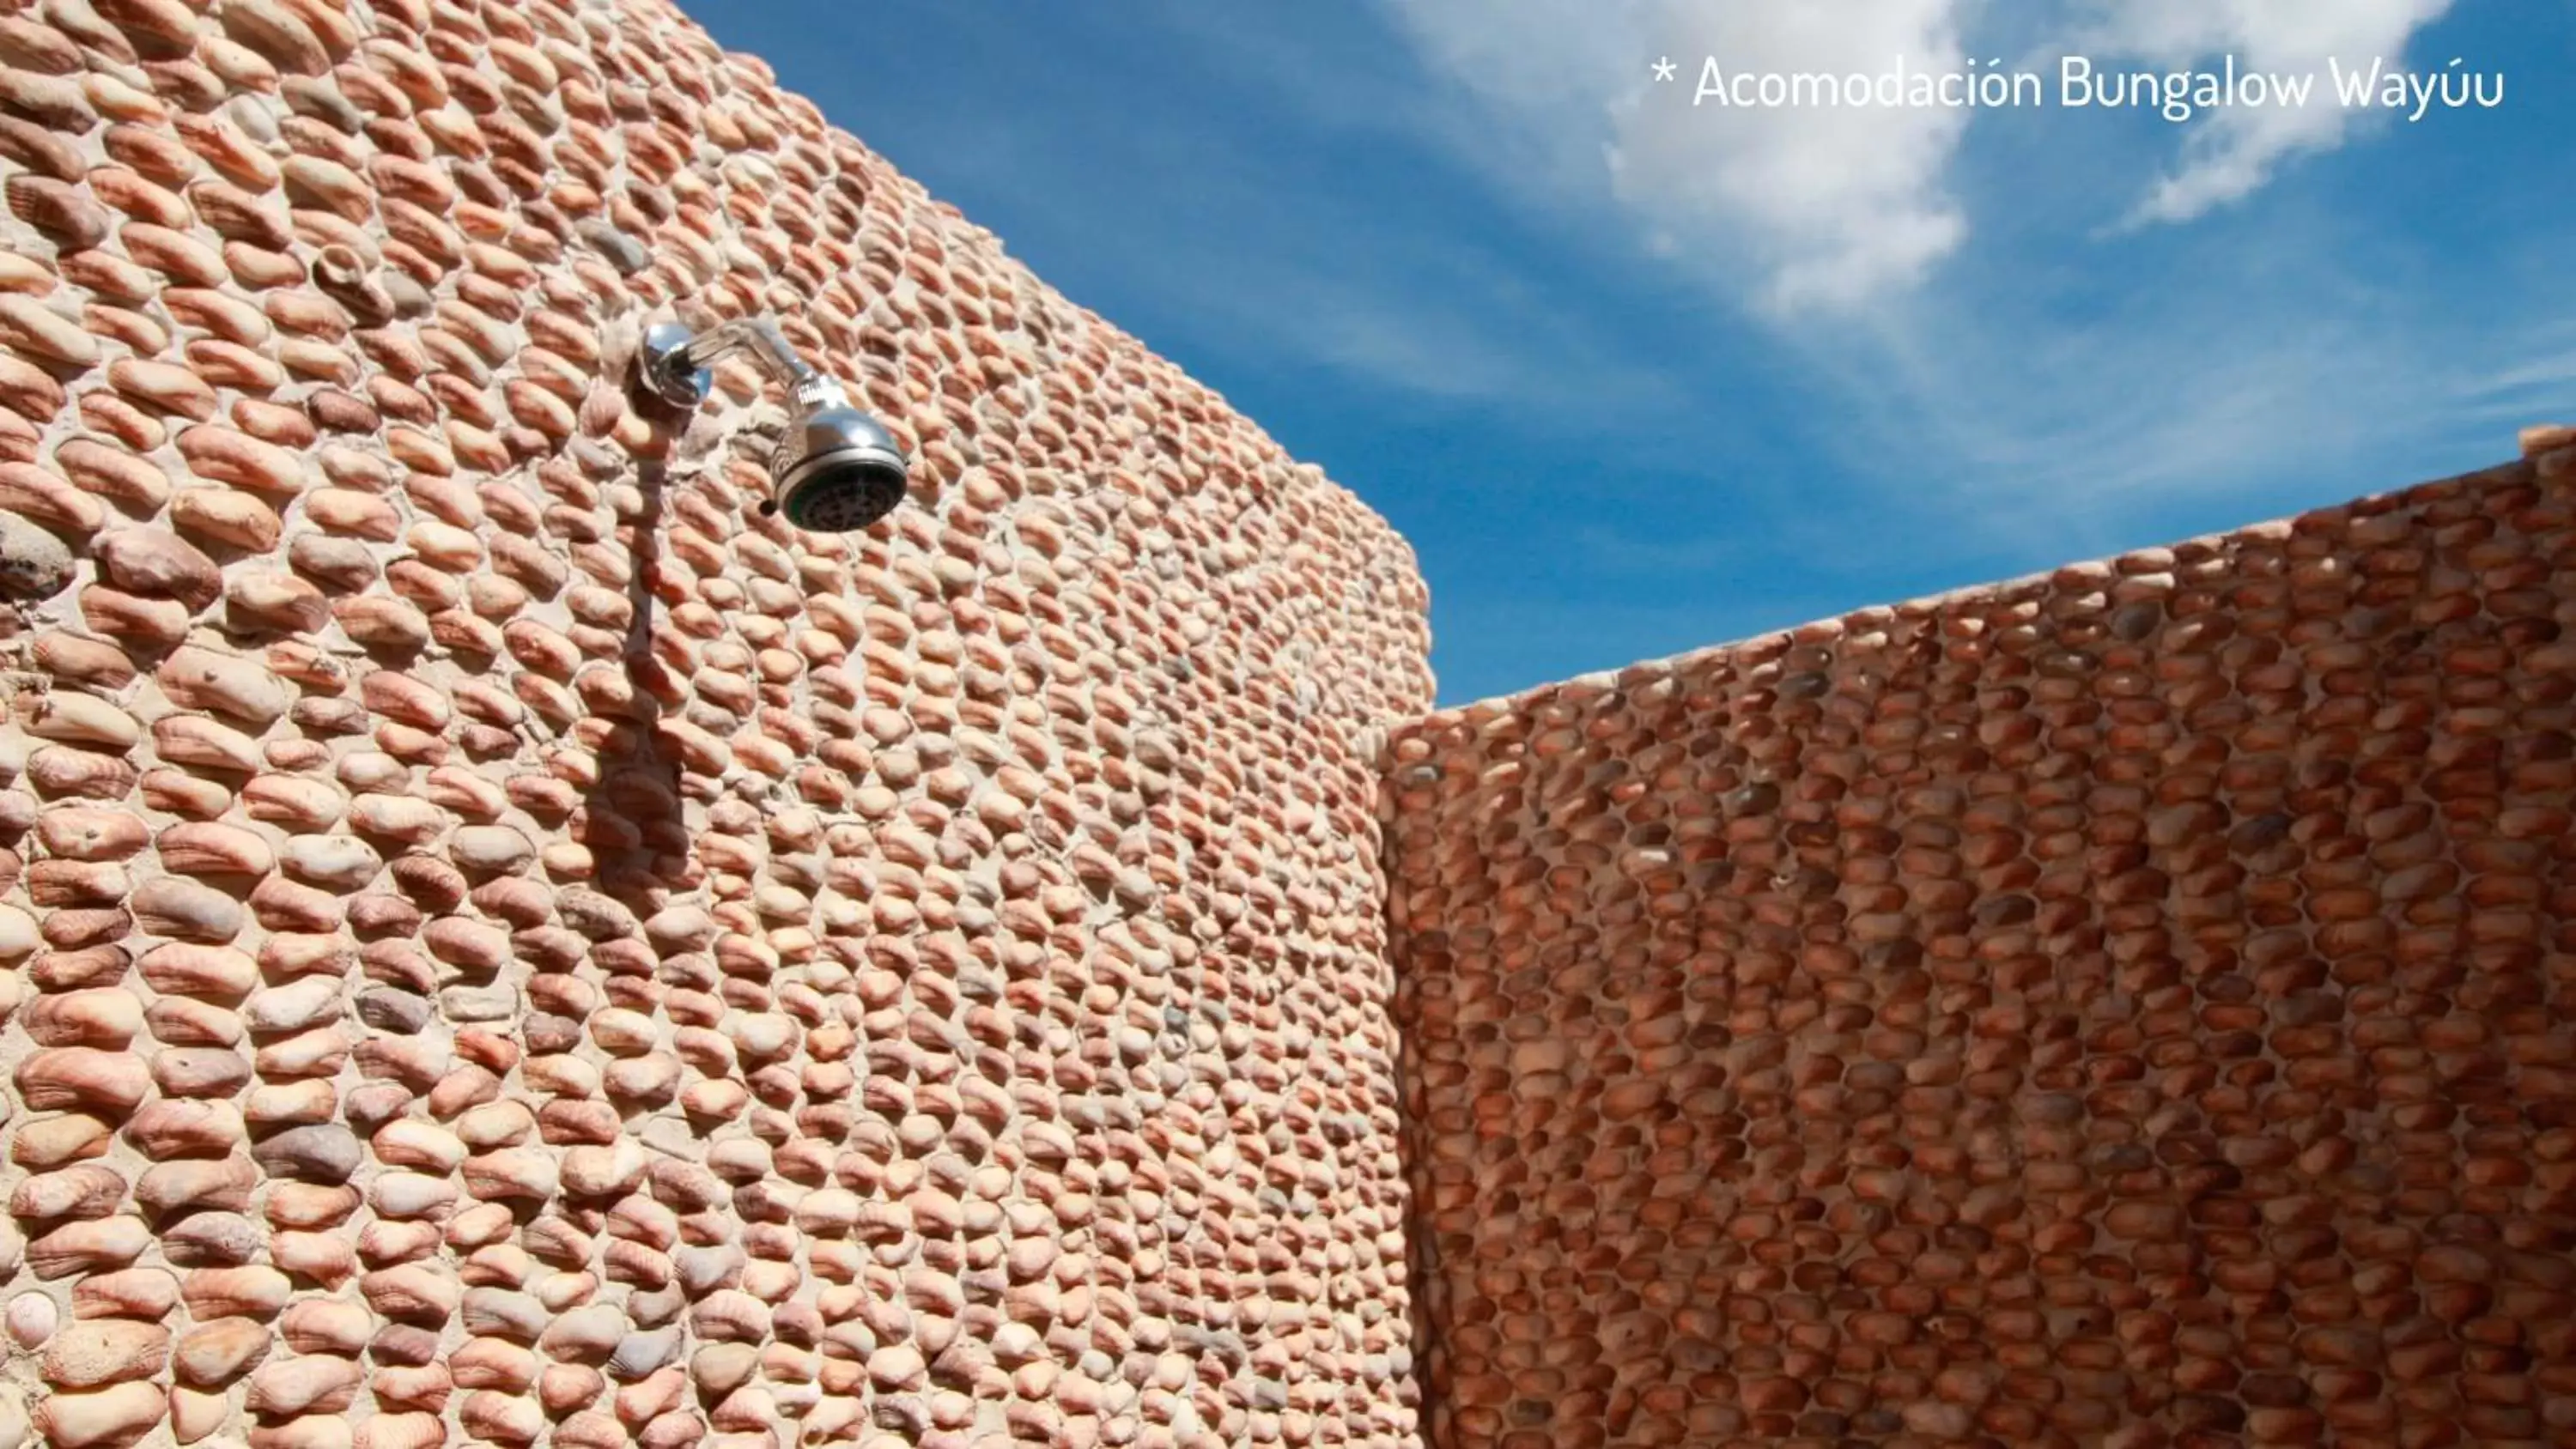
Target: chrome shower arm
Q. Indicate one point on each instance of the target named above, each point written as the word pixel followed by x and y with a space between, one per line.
pixel 676 360
pixel 758 336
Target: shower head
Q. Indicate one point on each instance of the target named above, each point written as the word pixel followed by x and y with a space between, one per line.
pixel 836 471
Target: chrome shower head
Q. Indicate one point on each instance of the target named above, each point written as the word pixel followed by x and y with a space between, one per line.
pixel 837 470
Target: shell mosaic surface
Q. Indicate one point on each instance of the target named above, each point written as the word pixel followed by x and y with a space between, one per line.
pixel 2124 1007
pixel 504 943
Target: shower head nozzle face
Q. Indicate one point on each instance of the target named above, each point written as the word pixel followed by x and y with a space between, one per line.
pixel 838 471
pixel 841 493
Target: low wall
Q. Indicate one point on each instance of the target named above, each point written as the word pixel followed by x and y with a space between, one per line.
pixel 2131 1006
pixel 503 942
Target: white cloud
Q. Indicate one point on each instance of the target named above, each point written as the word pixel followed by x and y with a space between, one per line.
pixel 2232 153
pixel 1271 271
pixel 1841 203
pixel 2215 393
pixel 1829 210
pixel 2034 381
pixel 1831 207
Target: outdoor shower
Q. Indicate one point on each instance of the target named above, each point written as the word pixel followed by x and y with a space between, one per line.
pixel 837 470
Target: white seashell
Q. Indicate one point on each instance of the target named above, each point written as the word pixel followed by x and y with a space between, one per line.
pixel 18 934
pixel 31 1319
pixel 490 848
pixel 203 743
pixel 340 862
pixel 197 678
pixel 77 719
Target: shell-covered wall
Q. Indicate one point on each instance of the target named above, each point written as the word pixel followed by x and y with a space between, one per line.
pixel 506 944
pixel 2131 1006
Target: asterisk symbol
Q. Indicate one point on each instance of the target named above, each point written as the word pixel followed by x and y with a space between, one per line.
pixel 1665 69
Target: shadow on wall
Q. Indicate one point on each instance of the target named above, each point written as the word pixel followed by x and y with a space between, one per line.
pixel 641 835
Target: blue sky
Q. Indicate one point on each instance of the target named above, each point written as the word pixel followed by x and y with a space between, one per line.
pixel 1637 376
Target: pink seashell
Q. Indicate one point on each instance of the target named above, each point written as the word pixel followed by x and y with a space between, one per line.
pixel 31 327
pixel 225 516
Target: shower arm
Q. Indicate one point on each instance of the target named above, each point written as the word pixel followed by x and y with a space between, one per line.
pixel 676 361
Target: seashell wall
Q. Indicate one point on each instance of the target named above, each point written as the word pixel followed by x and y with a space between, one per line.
pixel 2130 1006
pixel 500 942
pixel 503 943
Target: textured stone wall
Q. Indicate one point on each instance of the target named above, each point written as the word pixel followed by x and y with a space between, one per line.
pixel 505 944
pixel 2134 1006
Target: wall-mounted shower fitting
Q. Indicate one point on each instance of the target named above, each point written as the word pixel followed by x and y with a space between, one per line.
pixel 837 470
